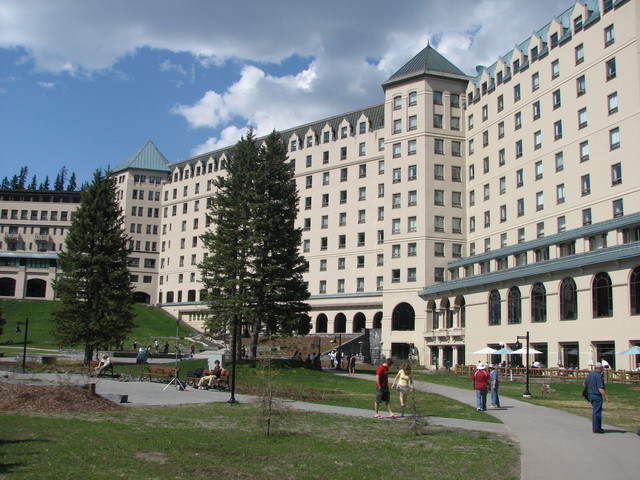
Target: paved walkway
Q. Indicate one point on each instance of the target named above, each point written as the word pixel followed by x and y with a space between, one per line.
pixel 554 444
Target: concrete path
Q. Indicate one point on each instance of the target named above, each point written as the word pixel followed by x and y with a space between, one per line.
pixel 553 444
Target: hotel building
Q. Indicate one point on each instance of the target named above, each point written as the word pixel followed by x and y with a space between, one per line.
pixel 458 213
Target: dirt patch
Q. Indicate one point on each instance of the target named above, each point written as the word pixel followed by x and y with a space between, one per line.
pixel 51 398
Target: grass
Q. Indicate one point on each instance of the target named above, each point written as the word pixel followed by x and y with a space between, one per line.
pixel 200 442
pixel 150 323
pixel 623 411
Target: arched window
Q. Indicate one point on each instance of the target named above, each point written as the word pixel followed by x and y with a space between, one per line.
pixel 36 287
pixel 377 320
pixel 538 303
pixel 461 304
pixel 494 308
pixel 359 322
pixel 7 287
pixel 321 323
pixel 403 318
pixel 515 306
pixel 340 323
pixel 634 291
pixel 568 300
pixel 602 296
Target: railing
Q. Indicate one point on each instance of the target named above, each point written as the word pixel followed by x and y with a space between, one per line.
pixel 42 238
pixel 619 376
pixel 12 237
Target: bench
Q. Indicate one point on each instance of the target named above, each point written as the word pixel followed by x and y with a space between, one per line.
pixel 194 376
pixel 221 384
pixel 91 368
pixel 159 371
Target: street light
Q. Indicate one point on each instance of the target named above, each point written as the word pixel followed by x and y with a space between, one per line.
pixel 24 349
pixel 526 393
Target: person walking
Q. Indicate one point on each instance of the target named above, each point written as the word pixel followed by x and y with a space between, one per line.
pixel 382 388
pixel 480 380
pixel 495 380
pixel 595 391
pixel 352 364
pixel 403 383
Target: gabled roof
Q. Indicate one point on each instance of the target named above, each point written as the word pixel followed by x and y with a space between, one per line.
pixel 147 157
pixel 428 61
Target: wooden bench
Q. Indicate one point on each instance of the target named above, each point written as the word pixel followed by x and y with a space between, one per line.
pixel 160 372
pixel 193 377
pixel 91 368
pixel 221 384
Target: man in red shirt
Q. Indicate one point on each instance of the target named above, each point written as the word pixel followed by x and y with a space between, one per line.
pixel 480 380
pixel 382 388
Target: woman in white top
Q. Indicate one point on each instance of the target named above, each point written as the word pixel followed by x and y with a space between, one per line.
pixel 403 383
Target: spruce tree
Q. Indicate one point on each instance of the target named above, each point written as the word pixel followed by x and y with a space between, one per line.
pixel 254 269
pixel 45 186
pixel 71 187
pixel 94 286
pixel 61 178
pixel 34 184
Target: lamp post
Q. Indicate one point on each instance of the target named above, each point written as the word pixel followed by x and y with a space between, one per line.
pixel 24 348
pixel 526 393
pixel 234 346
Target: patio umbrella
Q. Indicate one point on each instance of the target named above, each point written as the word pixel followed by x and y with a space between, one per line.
pixel 523 351
pixel 635 350
pixel 486 350
pixel 504 351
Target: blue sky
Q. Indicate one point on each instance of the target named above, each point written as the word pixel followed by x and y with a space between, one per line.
pixel 84 83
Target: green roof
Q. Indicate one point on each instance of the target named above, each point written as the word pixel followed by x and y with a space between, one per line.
pixel 147 157
pixel 428 61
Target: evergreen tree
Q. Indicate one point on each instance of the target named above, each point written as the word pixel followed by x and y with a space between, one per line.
pixel 71 187
pixel 6 184
pixel 34 184
pixel 22 178
pixel 61 178
pixel 45 186
pixel 94 287
pixel 254 268
pixel 15 182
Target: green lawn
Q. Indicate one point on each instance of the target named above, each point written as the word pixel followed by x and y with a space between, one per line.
pixel 150 322
pixel 623 410
pixel 226 441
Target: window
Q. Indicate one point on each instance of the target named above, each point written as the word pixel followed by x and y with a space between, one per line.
pixel 586 217
pixel 381 144
pixel 609 36
pixel 582 118
pixel 397 125
pixel 412 172
pixel 579 54
pixel 618 208
pixel 577 23
pixel 514 306
pixel 538 169
pixel 308 182
pixel 454 99
pixel 503 213
pixel 516 93
pixel 535 81
pixel 634 291
pixel 438 172
pixel 343 153
pixel 456 174
pixel 612 103
pixel 438 223
pixel 585 182
pixel 342 241
pixel 568 300
pixel 472 224
pixel 500 130
pixel 324 221
pixel 502 157
pixel 500 103
pixel 438 146
pixel 559 161
pixel 343 196
pixel 537 140
pixel 520 207
pixel 517 119
pixel 539 201
pixel 487 192
pixel 397 102
pixel 362 194
pixel 362 126
pixel 485 165
pixel 456 225
pixel 413 98
pixel 584 151
pixel 455 148
pixel 395 226
pixel 438 197
pixel 495 317
pixel 395 275
pixel 325 178
pixel 438 274
pixel 362 149
pixel 555 68
pixel 325 199
pixel 341 263
pixel 456 199
pixel 557 130
pixel 485 112
pixel 538 303
pixel 581 85
pixel 557 100
pixel 472 171
pixel 381 167
pixel 397 175
pixel 380 213
pixel 503 185
pixel 602 296
pixel 413 122
pixel 614 138
pixel 611 69
pixel 397 150
pixel 485 138
pixel 437 121
pixel 560 193
pixel 412 224
pixel 362 171
pixel 562 223
pixel 437 97
pixel 554 40
pixel 411 147
pixel 412 249
pixel 456 250
pixel 519 178
pixel 616 174
pixel 470 122
pixel 455 123
pixel 518 148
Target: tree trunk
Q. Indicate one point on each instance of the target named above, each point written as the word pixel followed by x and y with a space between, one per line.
pixel 88 353
pixel 254 342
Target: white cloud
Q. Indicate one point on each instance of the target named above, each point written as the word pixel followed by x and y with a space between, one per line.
pixel 46 84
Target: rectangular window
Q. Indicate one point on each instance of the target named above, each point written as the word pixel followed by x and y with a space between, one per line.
pixel 397 102
pixel 539 201
pixel 500 103
pixel 586 217
pixel 413 98
pixel 560 193
pixel 557 100
pixel 581 85
pixel 609 36
pixel 455 148
pixel 413 122
pixel 362 149
pixel 455 123
pixel 618 208
pixel 516 93
pixel 585 184
pixel 520 207
pixel 577 23
pixel 456 199
pixel 397 125
pixel 537 140
pixel 438 172
pixel 562 223
pixel 559 161
pixel 538 168
pixel 518 148
pixel 438 223
pixel 614 138
pixel 412 223
pixel 557 130
pixel 397 150
pixel 502 157
pixel 517 120
pixel 612 103
pixel 611 69
pixel 437 121
pixel 616 174
pixel 503 185
pixel 579 54
pixel 535 81
pixel 412 172
pixel 456 225
pixel 500 130
pixel 584 151
pixel 438 197
pixel 582 118
pixel 485 112
pixel 438 146
pixel 503 213
pixel 456 174
pixel 343 153
pixel 470 122
pixel 381 144
pixel 437 97
pixel 555 68
pixel 519 178
pixel 411 147
pixel 362 127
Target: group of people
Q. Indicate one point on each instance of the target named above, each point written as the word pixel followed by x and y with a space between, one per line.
pixel 483 382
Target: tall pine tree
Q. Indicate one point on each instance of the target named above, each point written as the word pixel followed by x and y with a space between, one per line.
pixel 94 286
pixel 254 268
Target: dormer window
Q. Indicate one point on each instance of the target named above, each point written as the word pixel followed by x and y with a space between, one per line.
pixel 577 24
pixel 554 40
pixel 534 53
pixel 516 65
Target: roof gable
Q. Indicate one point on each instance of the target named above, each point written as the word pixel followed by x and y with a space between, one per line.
pixel 425 62
pixel 147 157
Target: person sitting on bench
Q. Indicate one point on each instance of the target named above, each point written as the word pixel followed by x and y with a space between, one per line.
pixel 212 378
pixel 105 364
